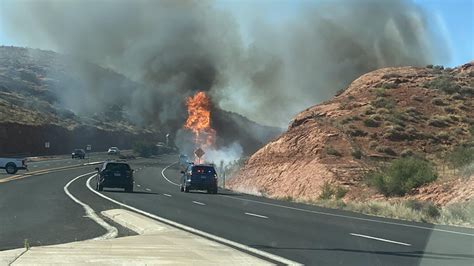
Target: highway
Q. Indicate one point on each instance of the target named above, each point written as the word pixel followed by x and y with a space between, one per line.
pixel 38 209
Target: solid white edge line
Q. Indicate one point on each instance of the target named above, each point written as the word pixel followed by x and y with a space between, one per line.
pixel 198 232
pixel 163 174
pixel 381 239
pixel 256 215
pixel 90 213
pixel 199 203
pixel 332 214
pixel 351 217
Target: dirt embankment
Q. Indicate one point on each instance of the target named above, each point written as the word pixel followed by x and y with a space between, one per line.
pixel 382 115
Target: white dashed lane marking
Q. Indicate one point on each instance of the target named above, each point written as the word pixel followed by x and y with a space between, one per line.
pixel 256 215
pixel 168 195
pixel 380 239
pixel 198 203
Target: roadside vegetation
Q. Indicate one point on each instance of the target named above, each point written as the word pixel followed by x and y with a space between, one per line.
pixel 401 176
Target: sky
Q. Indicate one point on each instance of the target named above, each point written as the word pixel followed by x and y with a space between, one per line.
pixel 455 20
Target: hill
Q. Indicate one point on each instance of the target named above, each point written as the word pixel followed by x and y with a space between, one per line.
pixel 383 115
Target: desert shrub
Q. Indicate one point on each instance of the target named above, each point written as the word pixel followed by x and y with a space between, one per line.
pixel 428 210
pixel 402 175
pixel 381 102
pixel 369 111
pixel 443 135
pixel 437 101
pixel 373 144
pixel 467 90
pixel 389 85
pixel 326 191
pixel 416 98
pixel 438 67
pixel 382 111
pixel 443 83
pixel 406 153
pixel 429 66
pixel 371 122
pixel 461 156
pixel 351 97
pixel 456 96
pixel 449 109
pixel 390 75
pixel 380 92
pixel 411 110
pixel 385 149
pixel 356 132
pixel 356 153
pixel 398 118
pixel 396 133
pixel 330 150
pixel 439 121
pixel 454 117
pixel 340 192
pixel 468 170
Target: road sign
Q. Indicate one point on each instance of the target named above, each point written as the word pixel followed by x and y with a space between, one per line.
pixel 199 153
pixel 88 147
pixel 47 145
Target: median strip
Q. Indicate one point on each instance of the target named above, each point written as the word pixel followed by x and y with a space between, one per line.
pixel 381 239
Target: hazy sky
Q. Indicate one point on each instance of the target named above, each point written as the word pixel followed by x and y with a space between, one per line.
pixel 454 17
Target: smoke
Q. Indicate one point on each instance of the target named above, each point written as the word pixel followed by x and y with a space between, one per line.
pixel 177 47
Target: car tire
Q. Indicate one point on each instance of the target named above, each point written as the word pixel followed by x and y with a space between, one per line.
pixel 181 188
pixel 129 188
pixel 100 187
pixel 186 189
pixel 11 168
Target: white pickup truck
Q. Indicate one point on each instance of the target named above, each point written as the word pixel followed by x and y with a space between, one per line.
pixel 12 165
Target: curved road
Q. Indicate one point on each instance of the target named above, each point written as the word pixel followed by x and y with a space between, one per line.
pixel 37 208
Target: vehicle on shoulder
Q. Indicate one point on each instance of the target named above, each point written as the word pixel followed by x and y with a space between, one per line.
pixel 199 177
pixel 78 153
pixel 113 151
pixel 115 175
pixel 12 165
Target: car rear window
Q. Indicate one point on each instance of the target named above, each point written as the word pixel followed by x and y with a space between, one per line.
pixel 203 170
pixel 117 167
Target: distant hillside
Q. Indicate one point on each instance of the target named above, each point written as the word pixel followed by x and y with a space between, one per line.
pixel 46 96
pixel 383 115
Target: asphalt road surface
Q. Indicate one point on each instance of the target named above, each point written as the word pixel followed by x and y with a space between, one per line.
pixel 38 209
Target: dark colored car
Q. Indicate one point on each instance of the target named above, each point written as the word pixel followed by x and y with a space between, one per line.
pixel 115 175
pixel 199 177
pixel 78 153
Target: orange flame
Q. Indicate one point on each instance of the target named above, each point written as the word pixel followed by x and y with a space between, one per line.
pixel 199 120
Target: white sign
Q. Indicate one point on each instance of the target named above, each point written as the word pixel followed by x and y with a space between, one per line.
pixel 46 145
pixel 89 147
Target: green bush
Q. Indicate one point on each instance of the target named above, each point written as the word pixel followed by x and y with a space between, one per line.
pixel 332 151
pixel 385 149
pixel 326 191
pixel 381 102
pixel 356 153
pixel 340 192
pixel 371 122
pixel 402 175
pixel 461 156
pixel 437 101
pixel 443 83
pixel 439 121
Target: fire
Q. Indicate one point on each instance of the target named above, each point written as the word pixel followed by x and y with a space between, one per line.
pixel 199 120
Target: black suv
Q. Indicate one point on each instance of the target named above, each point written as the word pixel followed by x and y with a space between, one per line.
pixel 115 175
pixel 78 153
pixel 199 177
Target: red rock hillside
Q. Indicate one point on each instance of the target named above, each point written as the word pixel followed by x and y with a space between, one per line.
pixel 382 115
